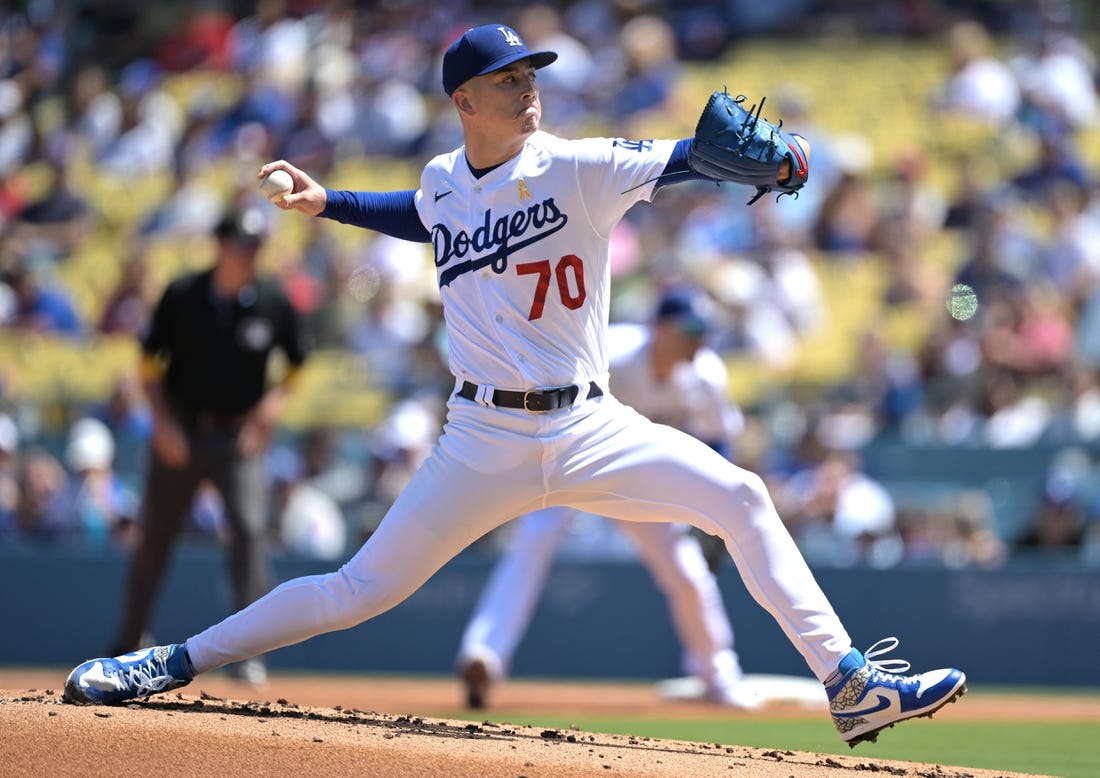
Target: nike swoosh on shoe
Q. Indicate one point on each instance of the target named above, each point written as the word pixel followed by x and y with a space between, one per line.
pixel 930 679
pixel 96 678
pixel 882 704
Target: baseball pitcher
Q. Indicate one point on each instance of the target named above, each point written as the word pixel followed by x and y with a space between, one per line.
pixel 519 221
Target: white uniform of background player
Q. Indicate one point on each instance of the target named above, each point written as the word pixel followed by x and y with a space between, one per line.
pixel 691 396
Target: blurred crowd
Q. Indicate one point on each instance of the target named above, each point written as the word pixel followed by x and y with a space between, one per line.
pixel 177 92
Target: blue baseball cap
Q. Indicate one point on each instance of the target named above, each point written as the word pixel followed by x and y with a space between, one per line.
pixel 484 49
pixel 690 308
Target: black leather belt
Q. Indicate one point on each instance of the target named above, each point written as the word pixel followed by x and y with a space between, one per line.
pixel 533 400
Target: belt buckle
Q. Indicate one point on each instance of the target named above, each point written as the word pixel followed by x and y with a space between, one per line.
pixel 527 407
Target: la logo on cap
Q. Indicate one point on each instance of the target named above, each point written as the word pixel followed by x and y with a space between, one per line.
pixel 481 50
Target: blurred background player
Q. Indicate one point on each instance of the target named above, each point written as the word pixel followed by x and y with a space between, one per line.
pixel 664 371
pixel 205 372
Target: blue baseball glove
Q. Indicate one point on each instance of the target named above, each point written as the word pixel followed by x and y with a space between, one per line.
pixel 738 145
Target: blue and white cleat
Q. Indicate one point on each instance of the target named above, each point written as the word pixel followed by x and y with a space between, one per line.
pixel 130 676
pixel 869 697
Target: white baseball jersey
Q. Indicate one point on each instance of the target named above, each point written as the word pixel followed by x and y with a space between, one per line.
pixel 525 293
pixel 693 398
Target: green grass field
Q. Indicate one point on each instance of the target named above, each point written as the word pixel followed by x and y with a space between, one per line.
pixel 1067 750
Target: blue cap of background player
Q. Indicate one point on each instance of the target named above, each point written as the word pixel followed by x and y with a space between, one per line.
pixel 690 308
pixel 484 49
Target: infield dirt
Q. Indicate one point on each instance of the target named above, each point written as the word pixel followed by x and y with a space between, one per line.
pixel 369 726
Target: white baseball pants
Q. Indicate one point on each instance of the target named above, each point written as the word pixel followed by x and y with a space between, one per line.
pixel 492 464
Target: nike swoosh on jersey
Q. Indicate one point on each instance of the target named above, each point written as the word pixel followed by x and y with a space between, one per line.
pixel 883 704
pixel 440 195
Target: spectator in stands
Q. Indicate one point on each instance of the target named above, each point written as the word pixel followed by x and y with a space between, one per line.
pixel 1027 329
pixel 269 49
pixel 152 123
pixel 1014 416
pixel 565 82
pixel 190 210
pixel 399 445
pixel 93 111
pixel 1059 161
pixel 650 68
pixel 849 213
pixel 1000 251
pixel 974 188
pixel 979 85
pixel 56 223
pixel 1071 256
pixel 1057 77
pixel 16 129
pixel 793 281
pixel 198 40
pixel 950 363
pixel 204 140
pixel 754 326
pixel 956 530
pixel 308 522
pixel 911 208
pixel 329 269
pixel 913 282
pixel 839 515
pixel 127 415
pixel 391 117
pixel 304 142
pixel 1076 403
pixel 128 306
pixel 884 391
pixel 392 319
pixel 9 480
pixel 1059 524
pixel 272 44
pixel 972 537
pixel 42 306
pixel 40 513
pixel 100 508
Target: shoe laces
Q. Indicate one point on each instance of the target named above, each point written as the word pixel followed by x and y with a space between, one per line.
pixel 146 677
pixel 882 668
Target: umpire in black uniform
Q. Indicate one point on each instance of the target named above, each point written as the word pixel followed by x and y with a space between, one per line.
pixel 205 372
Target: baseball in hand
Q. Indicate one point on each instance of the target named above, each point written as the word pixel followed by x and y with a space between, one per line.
pixel 276 184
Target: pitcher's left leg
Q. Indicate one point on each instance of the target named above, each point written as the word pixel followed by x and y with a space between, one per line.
pixel 624 466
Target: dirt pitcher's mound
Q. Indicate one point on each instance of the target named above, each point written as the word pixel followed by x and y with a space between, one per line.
pixel 178 734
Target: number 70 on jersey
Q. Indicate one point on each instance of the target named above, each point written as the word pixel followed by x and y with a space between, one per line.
pixel 567 275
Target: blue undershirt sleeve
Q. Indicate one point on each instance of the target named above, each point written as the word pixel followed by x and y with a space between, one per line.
pixel 676 170
pixel 391 213
pixel 721 446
